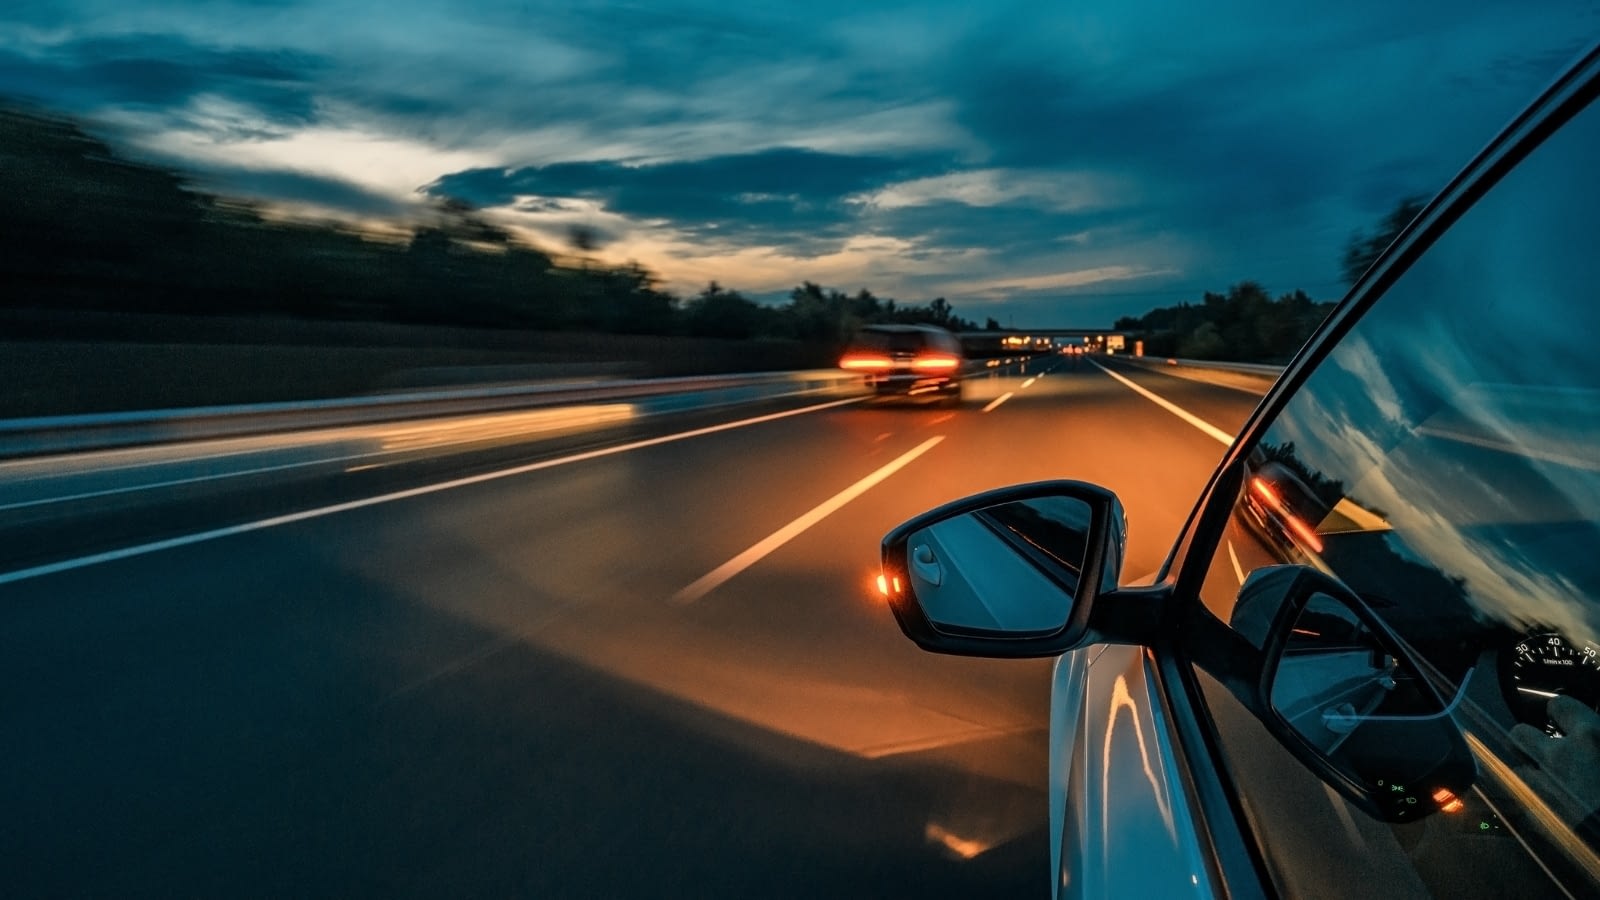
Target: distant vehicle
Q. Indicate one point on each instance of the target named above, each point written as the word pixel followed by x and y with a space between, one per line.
pixel 1370 665
pixel 911 361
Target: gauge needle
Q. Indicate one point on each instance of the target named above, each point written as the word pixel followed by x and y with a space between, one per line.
pixel 1536 691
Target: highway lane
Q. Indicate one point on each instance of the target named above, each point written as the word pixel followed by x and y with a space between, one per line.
pixel 501 689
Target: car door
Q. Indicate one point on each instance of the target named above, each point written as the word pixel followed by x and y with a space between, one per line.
pixel 1436 451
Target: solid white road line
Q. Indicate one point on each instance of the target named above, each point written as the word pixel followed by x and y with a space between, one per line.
pixel 1238 570
pixel 1169 406
pixel 714 579
pixel 997 401
pixel 259 525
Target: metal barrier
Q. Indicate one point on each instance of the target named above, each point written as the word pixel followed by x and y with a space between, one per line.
pixel 1247 368
pixel 102 431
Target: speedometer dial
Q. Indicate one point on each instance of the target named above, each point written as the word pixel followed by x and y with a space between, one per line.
pixel 1546 665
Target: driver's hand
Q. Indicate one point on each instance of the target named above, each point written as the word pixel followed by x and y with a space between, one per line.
pixel 1570 764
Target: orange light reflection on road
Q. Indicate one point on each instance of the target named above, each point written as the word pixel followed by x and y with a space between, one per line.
pixel 962 847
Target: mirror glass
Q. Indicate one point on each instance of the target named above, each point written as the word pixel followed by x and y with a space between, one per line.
pixel 1354 698
pixel 1012 567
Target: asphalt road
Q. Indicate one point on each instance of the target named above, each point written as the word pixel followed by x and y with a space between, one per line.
pixel 594 677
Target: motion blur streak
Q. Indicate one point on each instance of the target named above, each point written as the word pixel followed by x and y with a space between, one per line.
pixel 83 476
pixel 1554 825
pixel 213 534
pixel 504 425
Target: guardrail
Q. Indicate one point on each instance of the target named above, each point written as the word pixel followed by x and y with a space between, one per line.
pixel 1247 368
pixel 102 431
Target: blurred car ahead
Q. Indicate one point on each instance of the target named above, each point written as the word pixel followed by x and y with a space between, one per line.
pixel 910 361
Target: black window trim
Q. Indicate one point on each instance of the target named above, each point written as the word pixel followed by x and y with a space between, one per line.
pixel 1237 855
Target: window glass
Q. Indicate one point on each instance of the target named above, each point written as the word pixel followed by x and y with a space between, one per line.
pixel 1444 463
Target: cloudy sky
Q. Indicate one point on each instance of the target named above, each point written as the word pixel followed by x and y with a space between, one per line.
pixel 1045 163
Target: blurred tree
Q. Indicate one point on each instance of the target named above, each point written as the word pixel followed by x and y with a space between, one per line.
pixel 1363 249
pixel 1243 324
pixel 1205 342
pixel 715 312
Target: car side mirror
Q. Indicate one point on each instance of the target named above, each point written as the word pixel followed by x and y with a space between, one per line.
pixel 1349 698
pixel 1012 572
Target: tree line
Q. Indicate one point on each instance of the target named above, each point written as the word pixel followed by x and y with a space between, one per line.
pixel 85 228
pixel 1247 324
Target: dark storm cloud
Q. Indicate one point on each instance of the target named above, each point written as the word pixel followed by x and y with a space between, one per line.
pixel 162 72
pixel 1011 232
pixel 784 191
pixel 1206 141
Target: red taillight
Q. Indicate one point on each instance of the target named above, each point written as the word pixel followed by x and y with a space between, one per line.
pixel 935 363
pixel 1304 532
pixel 865 361
pixel 1261 487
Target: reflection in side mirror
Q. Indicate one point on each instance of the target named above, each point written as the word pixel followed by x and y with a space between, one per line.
pixel 1012 567
pixel 1345 694
pixel 1005 573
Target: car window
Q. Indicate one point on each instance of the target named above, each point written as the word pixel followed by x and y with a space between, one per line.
pixel 1442 463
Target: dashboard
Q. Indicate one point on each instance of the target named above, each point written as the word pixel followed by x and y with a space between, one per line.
pixel 1543 665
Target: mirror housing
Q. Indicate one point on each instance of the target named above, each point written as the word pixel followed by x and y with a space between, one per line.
pixel 1348 698
pixel 1013 572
